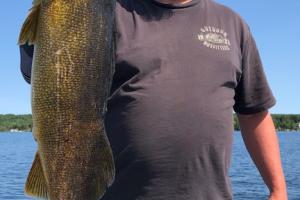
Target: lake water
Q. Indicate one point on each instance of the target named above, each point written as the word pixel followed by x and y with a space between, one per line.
pixel 17 151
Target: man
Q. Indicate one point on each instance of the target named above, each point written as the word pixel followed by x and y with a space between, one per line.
pixel 182 66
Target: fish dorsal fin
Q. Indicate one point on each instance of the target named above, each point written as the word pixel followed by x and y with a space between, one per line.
pixel 29 27
pixel 36 182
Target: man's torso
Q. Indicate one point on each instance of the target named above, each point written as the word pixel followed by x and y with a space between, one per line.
pixel 169 118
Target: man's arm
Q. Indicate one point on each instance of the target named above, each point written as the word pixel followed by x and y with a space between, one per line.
pixel 26 54
pixel 261 141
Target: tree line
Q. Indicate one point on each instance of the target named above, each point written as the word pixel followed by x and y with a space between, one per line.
pixel 10 122
pixel 282 122
pixel 15 122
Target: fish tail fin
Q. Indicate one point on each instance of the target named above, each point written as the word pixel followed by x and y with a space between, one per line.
pixel 29 27
pixel 36 182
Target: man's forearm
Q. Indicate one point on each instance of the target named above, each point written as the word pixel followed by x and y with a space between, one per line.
pixel 26 55
pixel 260 138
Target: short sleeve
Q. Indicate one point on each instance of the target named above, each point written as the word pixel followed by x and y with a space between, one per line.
pixel 26 54
pixel 252 93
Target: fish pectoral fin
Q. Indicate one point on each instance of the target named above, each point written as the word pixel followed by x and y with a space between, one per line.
pixel 106 174
pixel 36 182
pixel 29 27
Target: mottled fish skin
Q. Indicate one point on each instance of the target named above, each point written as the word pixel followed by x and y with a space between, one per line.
pixel 71 76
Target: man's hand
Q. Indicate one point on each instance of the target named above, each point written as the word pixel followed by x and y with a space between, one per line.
pixel 261 141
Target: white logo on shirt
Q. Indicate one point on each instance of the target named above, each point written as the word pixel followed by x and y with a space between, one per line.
pixel 214 38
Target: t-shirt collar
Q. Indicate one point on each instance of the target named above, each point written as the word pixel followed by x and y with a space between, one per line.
pixel 176 5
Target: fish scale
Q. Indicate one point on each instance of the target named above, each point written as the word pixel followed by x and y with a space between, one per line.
pixel 72 71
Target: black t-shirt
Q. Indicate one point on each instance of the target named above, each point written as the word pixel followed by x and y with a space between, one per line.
pixel 181 70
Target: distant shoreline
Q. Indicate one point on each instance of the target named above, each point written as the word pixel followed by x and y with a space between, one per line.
pixel 23 123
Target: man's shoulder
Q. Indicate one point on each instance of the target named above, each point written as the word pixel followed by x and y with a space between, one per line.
pixel 230 16
pixel 227 12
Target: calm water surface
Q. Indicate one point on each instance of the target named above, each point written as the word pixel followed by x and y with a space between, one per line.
pixel 17 151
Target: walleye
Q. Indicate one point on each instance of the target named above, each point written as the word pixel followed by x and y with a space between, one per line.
pixel 72 71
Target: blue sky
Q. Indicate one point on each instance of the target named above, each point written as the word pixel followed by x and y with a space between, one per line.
pixel 274 24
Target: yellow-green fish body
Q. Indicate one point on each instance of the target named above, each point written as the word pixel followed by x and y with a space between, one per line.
pixel 72 71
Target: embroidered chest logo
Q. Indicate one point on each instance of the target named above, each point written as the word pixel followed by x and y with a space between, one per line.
pixel 214 38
